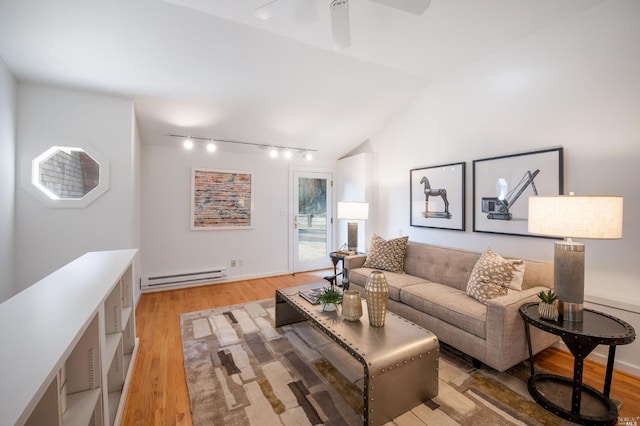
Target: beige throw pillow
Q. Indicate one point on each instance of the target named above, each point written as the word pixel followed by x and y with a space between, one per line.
pixel 386 255
pixel 490 277
pixel 518 274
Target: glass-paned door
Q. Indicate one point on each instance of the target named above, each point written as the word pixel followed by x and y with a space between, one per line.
pixel 312 220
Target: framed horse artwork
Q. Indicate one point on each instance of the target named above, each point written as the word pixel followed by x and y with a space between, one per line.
pixel 437 196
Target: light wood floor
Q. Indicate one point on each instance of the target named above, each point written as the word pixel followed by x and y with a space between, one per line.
pixel 158 391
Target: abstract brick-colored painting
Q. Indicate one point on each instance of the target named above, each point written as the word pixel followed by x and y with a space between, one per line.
pixel 221 199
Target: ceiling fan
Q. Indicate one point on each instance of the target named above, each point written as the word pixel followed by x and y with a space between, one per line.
pixel 339 13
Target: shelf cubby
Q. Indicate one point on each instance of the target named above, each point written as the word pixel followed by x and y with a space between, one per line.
pixel 47 410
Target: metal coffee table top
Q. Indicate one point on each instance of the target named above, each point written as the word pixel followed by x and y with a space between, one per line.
pixel 397 339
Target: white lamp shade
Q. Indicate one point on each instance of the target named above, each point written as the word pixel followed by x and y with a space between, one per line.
pixel 353 210
pixel 574 216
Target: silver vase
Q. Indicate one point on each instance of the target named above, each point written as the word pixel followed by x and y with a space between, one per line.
pixel 351 305
pixel 377 294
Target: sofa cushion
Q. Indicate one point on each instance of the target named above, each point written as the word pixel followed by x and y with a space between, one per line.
pixel 447 304
pixel 396 282
pixel 490 277
pixel 386 255
pixel 440 264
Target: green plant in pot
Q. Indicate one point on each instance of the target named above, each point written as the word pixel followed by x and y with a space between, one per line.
pixel 330 298
pixel 548 306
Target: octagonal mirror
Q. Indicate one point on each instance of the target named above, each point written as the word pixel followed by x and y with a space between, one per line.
pixel 69 176
pixel 66 173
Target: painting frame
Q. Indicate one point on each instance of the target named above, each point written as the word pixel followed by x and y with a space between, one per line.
pixel 499 210
pixel 437 196
pixel 221 199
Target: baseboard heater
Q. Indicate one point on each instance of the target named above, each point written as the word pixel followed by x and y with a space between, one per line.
pixel 185 278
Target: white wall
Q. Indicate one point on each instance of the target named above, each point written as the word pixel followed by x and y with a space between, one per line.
pixel 170 246
pixel 48 238
pixel 8 94
pixel 354 182
pixel 574 85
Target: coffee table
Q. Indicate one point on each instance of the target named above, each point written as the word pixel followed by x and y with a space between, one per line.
pixel 400 360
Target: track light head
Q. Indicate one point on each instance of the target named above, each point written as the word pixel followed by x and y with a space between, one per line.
pixel 188 143
pixel 211 147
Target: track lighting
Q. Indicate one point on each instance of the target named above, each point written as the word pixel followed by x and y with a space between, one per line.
pixel 274 150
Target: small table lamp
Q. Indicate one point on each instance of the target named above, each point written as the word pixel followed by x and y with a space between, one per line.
pixel 589 216
pixel 353 211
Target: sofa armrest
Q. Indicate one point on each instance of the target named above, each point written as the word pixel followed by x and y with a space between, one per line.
pixel 354 261
pixel 506 338
pixel 351 262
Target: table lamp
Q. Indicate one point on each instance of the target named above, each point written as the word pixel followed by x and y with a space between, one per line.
pixel 572 216
pixel 353 211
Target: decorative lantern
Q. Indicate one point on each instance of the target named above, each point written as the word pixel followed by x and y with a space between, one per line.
pixel 377 294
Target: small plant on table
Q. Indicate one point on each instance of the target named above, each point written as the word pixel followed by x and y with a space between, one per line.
pixel 330 298
pixel 548 306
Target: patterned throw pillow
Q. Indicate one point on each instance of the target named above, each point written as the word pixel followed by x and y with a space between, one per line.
pixel 386 255
pixel 490 277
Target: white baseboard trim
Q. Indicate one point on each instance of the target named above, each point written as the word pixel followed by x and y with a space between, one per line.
pixel 619 365
pixel 226 279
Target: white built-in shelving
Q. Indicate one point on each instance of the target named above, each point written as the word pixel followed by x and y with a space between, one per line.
pixel 69 343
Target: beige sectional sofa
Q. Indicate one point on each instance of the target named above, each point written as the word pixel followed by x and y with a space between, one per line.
pixel 432 293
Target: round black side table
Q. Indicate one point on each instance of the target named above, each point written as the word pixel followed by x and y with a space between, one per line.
pixel 581 338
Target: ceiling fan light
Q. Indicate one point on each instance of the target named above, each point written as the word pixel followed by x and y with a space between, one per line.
pixel 340 24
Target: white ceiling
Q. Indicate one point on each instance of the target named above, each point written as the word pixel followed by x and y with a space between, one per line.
pixel 211 68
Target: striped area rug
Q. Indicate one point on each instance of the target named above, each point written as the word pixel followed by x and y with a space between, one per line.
pixel 240 370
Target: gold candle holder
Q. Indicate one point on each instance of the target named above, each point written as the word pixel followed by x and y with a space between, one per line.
pixel 351 305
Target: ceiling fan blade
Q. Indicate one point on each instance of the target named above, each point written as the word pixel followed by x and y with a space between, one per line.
pixel 417 7
pixel 340 28
pixel 267 10
pixel 305 11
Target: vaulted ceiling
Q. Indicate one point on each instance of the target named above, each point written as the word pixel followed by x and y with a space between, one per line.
pixel 211 68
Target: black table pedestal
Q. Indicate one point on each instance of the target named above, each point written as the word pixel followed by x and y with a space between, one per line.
pixel 585 405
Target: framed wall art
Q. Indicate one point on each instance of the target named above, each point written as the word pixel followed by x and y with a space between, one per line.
pixel 437 196
pixel 221 199
pixel 502 187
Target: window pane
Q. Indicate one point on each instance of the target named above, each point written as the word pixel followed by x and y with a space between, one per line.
pixel 312 218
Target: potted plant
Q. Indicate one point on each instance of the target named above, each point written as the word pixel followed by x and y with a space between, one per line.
pixel 330 298
pixel 548 306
